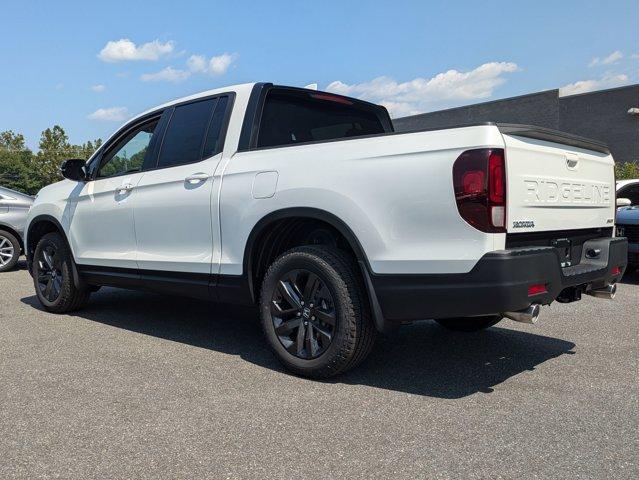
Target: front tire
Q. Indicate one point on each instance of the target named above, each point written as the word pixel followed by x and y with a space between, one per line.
pixel 315 313
pixel 53 276
pixel 469 324
pixel 9 251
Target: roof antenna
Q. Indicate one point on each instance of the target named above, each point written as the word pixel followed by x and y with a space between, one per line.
pixel 311 86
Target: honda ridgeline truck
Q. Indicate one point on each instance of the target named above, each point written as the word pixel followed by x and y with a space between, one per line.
pixel 310 206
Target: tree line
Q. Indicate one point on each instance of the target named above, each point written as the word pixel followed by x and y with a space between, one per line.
pixel 26 171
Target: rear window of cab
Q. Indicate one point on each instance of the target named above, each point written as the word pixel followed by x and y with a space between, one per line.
pixel 292 116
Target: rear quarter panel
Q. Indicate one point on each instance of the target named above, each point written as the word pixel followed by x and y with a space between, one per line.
pixel 395 193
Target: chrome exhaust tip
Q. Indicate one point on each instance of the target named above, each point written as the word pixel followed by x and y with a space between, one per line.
pixel 608 292
pixel 527 315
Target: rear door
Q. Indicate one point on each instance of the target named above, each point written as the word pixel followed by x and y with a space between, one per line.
pixel 174 217
pixel 554 186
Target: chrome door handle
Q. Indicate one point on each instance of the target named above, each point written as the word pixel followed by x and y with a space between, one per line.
pixel 127 187
pixel 197 178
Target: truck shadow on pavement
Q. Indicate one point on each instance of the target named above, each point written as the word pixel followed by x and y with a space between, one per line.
pixel 631 278
pixel 422 359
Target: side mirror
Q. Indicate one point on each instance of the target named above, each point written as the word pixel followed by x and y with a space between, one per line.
pixel 74 170
pixel 623 202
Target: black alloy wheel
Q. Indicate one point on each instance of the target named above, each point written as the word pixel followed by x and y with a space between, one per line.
pixel 52 270
pixel 49 273
pixel 314 311
pixel 303 314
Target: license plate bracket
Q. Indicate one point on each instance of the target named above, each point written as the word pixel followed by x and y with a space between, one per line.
pixel 564 247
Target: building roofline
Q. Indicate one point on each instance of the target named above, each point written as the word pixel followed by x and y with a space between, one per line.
pixel 498 100
pixel 605 90
pixel 516 97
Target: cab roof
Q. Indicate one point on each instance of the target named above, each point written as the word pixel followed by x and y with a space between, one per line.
pixel 242 88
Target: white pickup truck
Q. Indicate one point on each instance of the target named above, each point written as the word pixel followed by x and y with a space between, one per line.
pixel 309 205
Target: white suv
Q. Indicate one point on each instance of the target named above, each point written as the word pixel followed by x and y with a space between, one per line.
pixel 309 205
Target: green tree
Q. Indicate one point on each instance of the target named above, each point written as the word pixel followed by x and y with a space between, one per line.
pixel 22 170
pixel 86 149
pixel 16 164
pixel 54 149
pixel 11 141
pixel 626 171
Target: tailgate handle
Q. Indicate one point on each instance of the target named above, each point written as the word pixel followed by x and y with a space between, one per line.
pixel 572 161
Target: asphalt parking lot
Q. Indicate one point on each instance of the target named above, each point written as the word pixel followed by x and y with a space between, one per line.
pixel 143 386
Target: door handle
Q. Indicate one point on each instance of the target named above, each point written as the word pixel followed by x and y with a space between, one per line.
pixel 197 178
pixel 127 187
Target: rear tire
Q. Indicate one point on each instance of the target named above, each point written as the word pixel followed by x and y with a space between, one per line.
pixel 315 313
pixel 9 251
pixel 53 276
pixel 469 324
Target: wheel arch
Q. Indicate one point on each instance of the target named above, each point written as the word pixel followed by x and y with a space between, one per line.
pixel 39 226
pixel 258 240
pixel 9 229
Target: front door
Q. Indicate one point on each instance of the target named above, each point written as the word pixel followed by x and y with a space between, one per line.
pixel 100 211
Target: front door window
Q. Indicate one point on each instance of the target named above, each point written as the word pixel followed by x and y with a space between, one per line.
pixel 127 156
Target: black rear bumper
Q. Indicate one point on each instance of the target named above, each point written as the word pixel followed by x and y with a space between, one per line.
pixel 499 282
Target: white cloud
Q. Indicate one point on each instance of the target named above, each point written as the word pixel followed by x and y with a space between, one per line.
pixel 113 114
pixel 421 94
pixel 196 63
pixel 98 88
pixel 609 60
pixel 218 65
pixel 125 50
pixel 168 74
pixel 583 86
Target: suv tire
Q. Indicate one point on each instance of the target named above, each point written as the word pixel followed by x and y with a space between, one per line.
pixel 315 313
pixel 52 272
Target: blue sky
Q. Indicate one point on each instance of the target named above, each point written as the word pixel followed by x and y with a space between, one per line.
pixel 89 65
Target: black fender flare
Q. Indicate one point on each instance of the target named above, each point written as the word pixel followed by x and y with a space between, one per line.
pixel 77 279
pixel 318 214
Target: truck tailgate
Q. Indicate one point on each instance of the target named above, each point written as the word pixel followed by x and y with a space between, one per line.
pixel 557 182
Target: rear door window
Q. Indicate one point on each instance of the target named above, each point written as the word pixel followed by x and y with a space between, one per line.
pixel 214 138
pixel 290 117
pixel 186 132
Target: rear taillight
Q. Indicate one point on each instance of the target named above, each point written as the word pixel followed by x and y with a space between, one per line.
pixel 479 179
pixel 536 289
